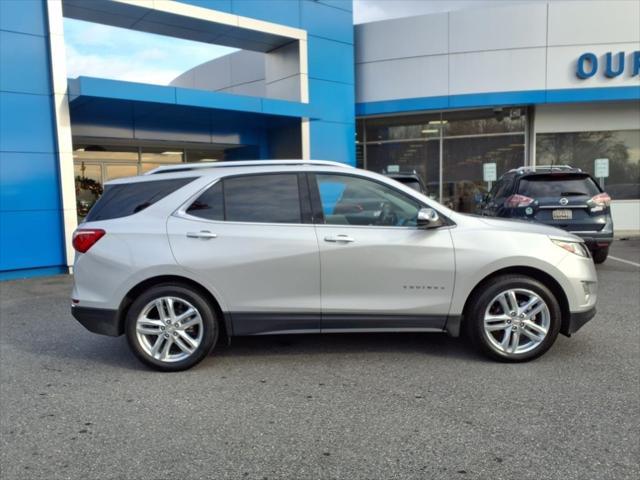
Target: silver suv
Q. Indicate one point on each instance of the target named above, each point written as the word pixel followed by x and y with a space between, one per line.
pixel 188 255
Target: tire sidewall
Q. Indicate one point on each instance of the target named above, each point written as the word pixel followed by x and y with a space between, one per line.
pixel 209 322
pixel 479 306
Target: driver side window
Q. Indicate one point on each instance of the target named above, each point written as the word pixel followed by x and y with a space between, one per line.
pixel 348 200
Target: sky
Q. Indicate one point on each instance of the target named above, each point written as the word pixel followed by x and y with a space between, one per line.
pixel 109 52
pixel 118 53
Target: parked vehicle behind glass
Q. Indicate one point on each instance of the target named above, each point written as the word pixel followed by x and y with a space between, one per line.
pixel 187 256
pixel 410 179
pixel 559 196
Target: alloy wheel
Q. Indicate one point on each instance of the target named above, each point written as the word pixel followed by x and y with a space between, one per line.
pixel 169 329
pixel 516 321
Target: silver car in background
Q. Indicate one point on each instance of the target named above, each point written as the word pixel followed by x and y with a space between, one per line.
pixel 186 256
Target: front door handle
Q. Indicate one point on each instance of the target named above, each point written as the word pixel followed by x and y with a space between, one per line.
pixel 339 239
pixel 205 234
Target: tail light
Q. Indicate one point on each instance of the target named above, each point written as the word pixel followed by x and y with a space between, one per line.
pixel 85 238
pixel 601 200
pixel 515 201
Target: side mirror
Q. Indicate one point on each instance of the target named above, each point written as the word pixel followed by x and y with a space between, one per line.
pixel 428 218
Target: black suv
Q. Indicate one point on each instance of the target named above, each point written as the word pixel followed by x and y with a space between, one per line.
pixel 560 196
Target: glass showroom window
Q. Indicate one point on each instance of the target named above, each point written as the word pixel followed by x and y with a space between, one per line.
pixel 471 139
pixel 151 158
pixel 407 144
pixel 421 157
pixel 450 145
pixel 581 149
pixel 464 157
pixel 95 164
pixel 360 143
pixel 88 187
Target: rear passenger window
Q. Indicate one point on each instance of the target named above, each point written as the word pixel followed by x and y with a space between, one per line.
pixel 125 199
pixel 251 198
pixel 262 198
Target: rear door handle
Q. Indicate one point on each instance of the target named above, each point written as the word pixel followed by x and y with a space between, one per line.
pixel 205 234
pixel 339 239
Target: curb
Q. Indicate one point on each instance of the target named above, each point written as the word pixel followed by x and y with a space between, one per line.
pixel 627 235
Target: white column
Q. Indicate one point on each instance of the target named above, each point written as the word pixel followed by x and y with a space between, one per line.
pixel 305 127
pixel 62 123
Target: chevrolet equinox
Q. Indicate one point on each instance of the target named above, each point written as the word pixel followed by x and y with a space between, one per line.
pixel 186 256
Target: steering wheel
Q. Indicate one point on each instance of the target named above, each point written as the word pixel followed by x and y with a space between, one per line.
pixel 387 216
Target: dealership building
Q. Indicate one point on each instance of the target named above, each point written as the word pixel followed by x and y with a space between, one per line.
pixel 444 95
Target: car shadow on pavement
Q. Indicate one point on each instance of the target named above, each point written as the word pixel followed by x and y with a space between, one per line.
pixel 114 352
pixel 336 344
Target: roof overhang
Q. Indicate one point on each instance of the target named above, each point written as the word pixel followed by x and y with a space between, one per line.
pixel 82 89
pixel 181 20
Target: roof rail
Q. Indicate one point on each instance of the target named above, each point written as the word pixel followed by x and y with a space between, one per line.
pixel 550 168
pixel 186 167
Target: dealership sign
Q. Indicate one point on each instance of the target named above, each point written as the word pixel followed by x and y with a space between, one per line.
pixel 489 172
pixel 610 64
pixel 601 167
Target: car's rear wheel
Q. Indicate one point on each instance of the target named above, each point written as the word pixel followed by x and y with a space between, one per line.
pixel 514 318
pixel 171 327
pixel 600 254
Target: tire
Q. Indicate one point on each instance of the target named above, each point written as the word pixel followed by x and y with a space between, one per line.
pixel 600 255
pixel 487 301
pixel 183 344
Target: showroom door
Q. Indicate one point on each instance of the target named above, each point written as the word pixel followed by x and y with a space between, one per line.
pixel 378 270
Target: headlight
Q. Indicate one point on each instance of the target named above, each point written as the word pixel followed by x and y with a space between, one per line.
pixel 577 248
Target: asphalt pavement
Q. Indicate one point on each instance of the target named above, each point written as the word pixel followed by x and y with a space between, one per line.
pixel 75 405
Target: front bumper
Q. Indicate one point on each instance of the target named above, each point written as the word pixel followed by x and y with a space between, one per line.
pixel 98 320
pixel 577 321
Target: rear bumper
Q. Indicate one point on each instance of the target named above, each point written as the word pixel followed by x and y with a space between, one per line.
pixel 98 320
pixel 595 240
pixel 577 321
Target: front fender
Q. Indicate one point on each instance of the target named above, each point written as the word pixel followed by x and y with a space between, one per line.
pixel 485 252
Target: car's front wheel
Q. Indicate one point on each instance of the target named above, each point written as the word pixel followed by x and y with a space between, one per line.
pixel 171 327
pixel 513 318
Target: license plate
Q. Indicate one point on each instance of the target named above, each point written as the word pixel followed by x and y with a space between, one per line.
pixel 562 214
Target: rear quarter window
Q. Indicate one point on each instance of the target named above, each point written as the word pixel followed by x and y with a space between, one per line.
pixel 125 199
pixel 557 186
